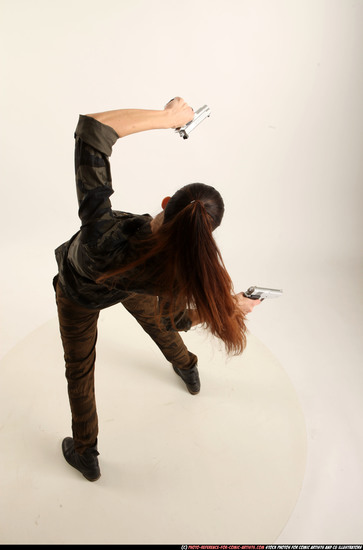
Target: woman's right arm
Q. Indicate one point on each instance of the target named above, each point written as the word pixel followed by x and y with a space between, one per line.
pixel 246 306
pixel 176 113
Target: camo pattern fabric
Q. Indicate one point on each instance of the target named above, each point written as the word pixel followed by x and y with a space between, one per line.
pixel 102 243
pixel 144 308
pixel 78 328
pixel 104 239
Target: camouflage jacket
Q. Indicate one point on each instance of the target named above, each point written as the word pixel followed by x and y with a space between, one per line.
pixel 103 240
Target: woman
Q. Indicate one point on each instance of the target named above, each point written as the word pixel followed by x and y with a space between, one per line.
pixel 167 271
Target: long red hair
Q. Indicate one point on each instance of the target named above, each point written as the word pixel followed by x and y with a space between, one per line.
pixel 185 264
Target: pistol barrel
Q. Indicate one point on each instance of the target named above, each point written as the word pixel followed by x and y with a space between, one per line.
pixel 201 114
pixel 260 293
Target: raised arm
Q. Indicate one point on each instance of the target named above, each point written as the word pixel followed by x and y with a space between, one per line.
pixel 176 113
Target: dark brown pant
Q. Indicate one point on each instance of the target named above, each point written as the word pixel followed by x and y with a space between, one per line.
pixel 78 328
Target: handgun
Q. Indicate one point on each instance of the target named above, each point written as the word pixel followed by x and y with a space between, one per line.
pixel 260 293
pixel 201 114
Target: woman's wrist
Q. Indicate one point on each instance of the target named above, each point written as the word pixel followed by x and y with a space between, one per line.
pixel 166 119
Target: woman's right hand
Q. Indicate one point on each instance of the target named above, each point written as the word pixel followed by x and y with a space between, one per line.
pixel 179 113
pixel 246 305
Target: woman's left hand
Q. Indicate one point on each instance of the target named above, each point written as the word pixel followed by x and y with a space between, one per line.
pixel 246 305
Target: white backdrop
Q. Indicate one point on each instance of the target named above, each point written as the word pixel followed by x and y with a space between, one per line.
pixel 284 81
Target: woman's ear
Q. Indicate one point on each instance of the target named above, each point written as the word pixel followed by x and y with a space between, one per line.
pixel 164 202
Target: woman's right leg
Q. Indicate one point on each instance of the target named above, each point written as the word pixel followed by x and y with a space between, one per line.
pixel 78 328
pixel 170 343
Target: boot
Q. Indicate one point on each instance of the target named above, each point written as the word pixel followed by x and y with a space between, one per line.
pixel 87 463
pixel 190 377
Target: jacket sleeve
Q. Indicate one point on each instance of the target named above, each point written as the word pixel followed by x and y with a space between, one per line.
pixel 183 322
pixel 93 146
pixel 180 322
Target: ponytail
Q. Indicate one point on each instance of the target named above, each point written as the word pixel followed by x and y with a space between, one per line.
pixel 203 278
pixel 185 264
